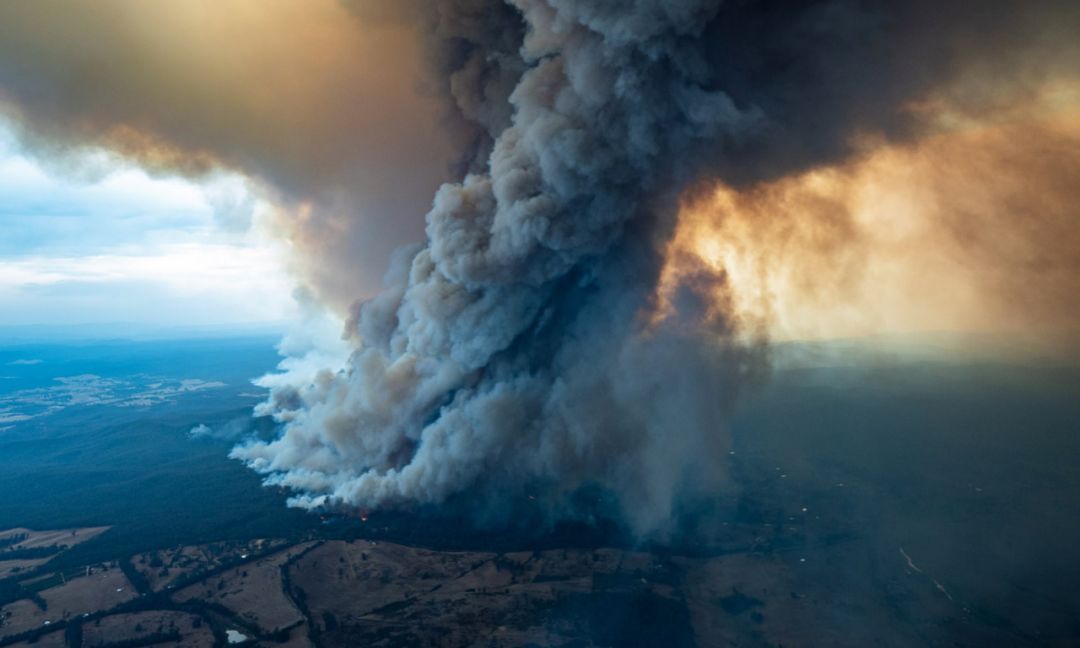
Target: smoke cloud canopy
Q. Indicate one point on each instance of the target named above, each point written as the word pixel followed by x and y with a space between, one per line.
pixel 557 327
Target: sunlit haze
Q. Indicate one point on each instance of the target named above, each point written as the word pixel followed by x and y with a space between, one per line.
pixel 99 241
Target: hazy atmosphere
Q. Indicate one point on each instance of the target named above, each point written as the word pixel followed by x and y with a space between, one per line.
pixel 649 323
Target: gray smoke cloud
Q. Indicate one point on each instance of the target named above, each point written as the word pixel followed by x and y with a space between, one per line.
pixel 322 110
pixel 509 353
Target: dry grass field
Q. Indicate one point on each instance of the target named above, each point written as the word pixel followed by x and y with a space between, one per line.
pixel 139 626
pixel 252 591
pixel 389 594
pixel 167 566
pixel 51 640
pixel 57 537
pixel 16 543
pixel 100 590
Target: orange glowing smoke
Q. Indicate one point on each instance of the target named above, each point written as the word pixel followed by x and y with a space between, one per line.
pixel 974 227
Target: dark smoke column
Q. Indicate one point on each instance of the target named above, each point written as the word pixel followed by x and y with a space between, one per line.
pixel 507 350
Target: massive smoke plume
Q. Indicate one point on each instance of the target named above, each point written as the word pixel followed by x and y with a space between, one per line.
pixel 504 351
pixel 510 350
pixel 521 347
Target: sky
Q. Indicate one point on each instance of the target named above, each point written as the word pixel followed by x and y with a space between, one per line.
pixel 100 241
pixel 326 113
pixel 203 173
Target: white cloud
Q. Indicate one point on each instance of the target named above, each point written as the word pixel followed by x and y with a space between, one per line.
pixel 126 247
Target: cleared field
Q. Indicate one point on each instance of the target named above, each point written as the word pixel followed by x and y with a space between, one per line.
pixel 97 591
pixel 51 640
pixel 252 591
pixel 15 567
pixel 168 566
pixel 54 538
pixel 389 594
pixel 100 590
pixel 21 616
pixel 42 546
pixel 117 628
pixel 354 579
